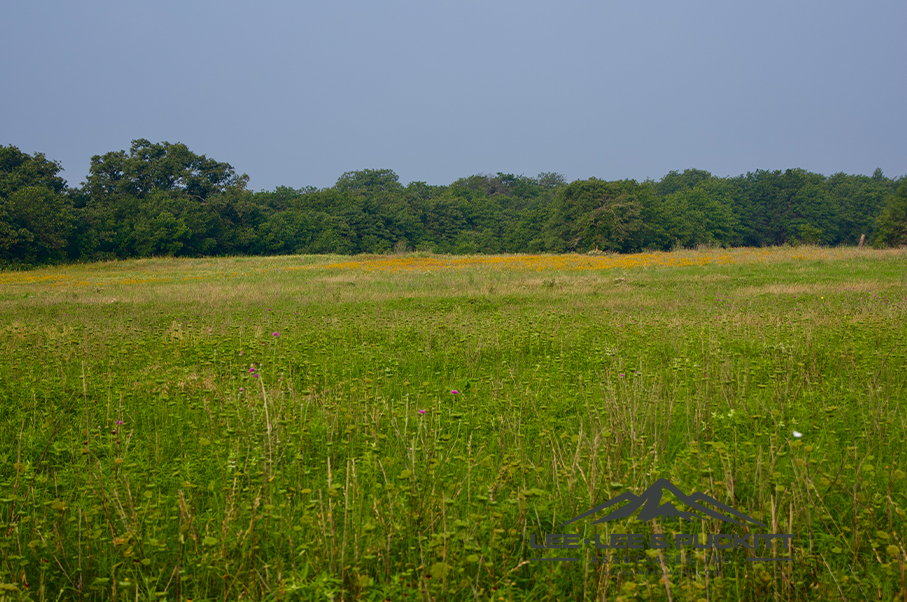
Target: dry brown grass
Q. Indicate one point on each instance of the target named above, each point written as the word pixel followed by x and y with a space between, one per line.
pixel 611 278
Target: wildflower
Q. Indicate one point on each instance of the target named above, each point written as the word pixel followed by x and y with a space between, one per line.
pixel 798 434
pixel 251 369
pixel 454 392
pixel 119 422
pixel 421 411
pixel 255 375
pixel 241 389
pixel 621 374
pixel 276 334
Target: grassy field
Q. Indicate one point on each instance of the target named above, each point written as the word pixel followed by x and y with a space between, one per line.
pixel 405 427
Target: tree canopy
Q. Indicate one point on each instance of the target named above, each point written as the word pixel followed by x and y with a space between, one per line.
pixel 163 199
pixel 36 219
pixel 160 167
pixel 891 226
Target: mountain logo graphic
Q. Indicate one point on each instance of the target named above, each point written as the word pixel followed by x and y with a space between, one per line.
pixel 650 507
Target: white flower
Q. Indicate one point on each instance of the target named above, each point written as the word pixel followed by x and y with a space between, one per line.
pixel 798 434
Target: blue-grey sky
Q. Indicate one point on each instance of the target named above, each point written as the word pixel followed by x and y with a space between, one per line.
pixel 295 93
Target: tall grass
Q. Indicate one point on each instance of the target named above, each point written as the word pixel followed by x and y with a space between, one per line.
pixel 376 428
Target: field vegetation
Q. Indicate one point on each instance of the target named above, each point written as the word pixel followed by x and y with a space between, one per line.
pixel 398 427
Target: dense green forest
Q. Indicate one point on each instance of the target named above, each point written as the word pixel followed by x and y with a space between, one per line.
pixel 163 199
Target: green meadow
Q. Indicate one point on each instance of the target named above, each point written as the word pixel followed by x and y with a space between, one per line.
pixel 412 428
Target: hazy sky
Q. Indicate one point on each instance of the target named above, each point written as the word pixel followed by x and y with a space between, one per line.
pixel 295 93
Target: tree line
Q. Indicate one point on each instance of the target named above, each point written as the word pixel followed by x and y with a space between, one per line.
pixel 164 200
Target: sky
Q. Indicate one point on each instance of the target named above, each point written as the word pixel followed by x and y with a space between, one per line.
pixel 296 93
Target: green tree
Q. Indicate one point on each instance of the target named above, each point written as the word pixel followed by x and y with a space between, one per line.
pixel 549 180
pixel 286 232
pixel 284 197
pixel 423 191
pixel 35 223
pixel 158 199
pixel 36 218
pixel 674 181
pixel 812 215
pixel 159 228
pixel 238 215
pixel 595 214
pixel 859 200
pixel 891 226
pixel 773 205
pixel 21 170
pixel 504 185
pixel 161 166
pixel 445 220
pixel 699 216
pixel 368 180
